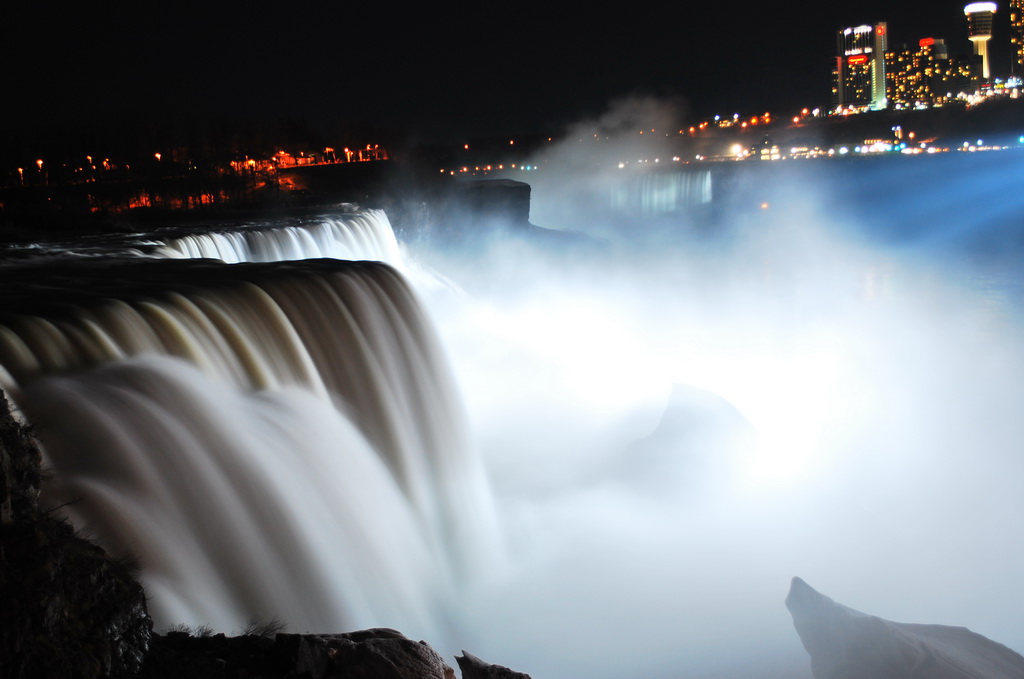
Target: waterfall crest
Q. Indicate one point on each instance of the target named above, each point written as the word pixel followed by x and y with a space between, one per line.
pixel 280 440
pixel 364 235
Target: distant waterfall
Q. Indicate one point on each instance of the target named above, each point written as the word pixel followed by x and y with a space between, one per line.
pixel 361 236
pixel 655 193
pixel 272 440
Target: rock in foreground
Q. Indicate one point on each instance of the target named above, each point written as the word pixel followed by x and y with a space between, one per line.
pixel 847 644
pixel 367 654
pixel 67 609
pixel 474 668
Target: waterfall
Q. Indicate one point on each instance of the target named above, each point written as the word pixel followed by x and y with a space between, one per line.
pixel 359 236
pixel 657 193
pixel 271 440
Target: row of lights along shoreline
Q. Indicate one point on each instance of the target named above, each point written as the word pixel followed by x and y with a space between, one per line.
pixel 867 77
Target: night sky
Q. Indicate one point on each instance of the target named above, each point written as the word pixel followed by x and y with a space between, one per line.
pixel 435 73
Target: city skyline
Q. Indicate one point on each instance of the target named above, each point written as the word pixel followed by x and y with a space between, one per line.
pixel 435 75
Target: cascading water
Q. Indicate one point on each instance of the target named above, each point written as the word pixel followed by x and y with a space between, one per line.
pixel 358 236
pixel 279 441
pixel 655 193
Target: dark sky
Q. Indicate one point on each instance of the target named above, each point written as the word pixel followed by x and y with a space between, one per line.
pixel 433 72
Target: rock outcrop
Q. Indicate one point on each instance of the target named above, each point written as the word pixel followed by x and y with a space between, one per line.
pixel 847 644
pixel 368 654
pixel 69 609
pixel 474 668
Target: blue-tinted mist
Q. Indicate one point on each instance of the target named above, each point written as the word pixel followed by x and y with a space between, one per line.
pixel 819 373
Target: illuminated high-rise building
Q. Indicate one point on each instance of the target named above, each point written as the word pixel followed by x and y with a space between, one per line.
pixel 979 31
pixel 1017 36
pixel 859 73
pixel 921 77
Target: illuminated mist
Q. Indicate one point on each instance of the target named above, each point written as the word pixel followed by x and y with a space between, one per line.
pixel 824 379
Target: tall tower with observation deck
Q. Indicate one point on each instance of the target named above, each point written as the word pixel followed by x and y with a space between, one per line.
pixel 979 31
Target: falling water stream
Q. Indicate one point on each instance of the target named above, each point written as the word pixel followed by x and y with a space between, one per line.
pixel 274 440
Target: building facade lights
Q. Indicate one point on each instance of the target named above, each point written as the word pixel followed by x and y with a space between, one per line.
pixel 859 80
pixel 926 76
pixel 1017 37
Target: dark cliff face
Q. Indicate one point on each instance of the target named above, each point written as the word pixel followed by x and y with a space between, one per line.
pixel 70 610
pixel 495 199
pixel 20 469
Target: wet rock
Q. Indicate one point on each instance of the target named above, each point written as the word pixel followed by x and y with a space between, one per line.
pixel 384 654
pixel 474 668
pixel 847 644
pixel 69 609
pixel 367 654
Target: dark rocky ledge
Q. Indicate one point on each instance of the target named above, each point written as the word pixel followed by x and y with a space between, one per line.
pixel 368 654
